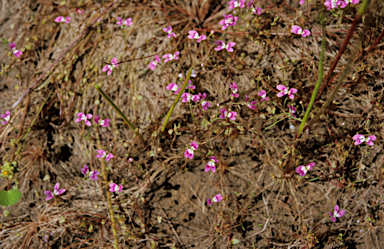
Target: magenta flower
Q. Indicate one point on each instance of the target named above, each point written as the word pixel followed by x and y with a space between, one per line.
pixel 93 174
pixel 15 52
pixel 301 2
pixel 193 74
pixel 56 191
pixel 217 198
pixel 285 90
pixel 302 170
pixel 224 113
pixel 222 45
pixel 63 19
pixel 173 87
pixel 211 164
pixel 195 35
pixel 168 30
pixel 6 117
pixel 337 213
pixel 251 105
pixel 189 152
pixel 113 187
pixel 169 57
pixel 257 10
pixel 79 11
pixel 109 68
pixel 292 110
pixel 82 116
pixel 263 95
pixel 103 154
pixel 104 123
pixel 235 4
pixel 234 89
pixel 153 64
pixel 333 4
pixel 127 22
pixel 204 104
pixel 299 31
pixel 228 21
pixel 361 139
pixel 187 97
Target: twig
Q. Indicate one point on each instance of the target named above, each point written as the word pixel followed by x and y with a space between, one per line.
pixel 170 224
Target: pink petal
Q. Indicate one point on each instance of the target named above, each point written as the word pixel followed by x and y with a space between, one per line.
pixel 89 116
pixel 194 145
pixel 341 213
pixel 293 90
pixel 85 170
pixel 209 202
pixel 59 19
pixel 336 209
pixel 105 68
pixel 207 168
pixel 372 137
pixel 280 94
pixel 295 29
pixel 57 186
pixel 281 87
pixel 333 219
pixel 192 34
pixel 48 197
pixel 306 33
pixel 61 191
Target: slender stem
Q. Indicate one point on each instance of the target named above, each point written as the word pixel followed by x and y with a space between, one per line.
pixel 176 100
pixel 130 125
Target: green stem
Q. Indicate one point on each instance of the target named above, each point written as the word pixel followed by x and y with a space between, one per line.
pixel 176 100
pixel 130 125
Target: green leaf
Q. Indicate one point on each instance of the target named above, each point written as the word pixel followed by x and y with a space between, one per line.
pixel 9 198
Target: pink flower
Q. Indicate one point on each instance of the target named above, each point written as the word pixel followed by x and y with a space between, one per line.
pixel 263 95
pixel 103 154
pixel 228 21
pixel 299 31
pixel 187 97
pixel 333 4
pixel 56 191
pixel 128 22
pixel 301 2
pixel 173 87
pixel 224 113
pixel 63 19
pixel 153 64
pixel 361 139
pixel 250 4
pixel 292 110
pixel 130 159
pixel 234 89
pixel 120 21
pixel 211 164
pixel 302 170
pixel 193 74
pixel 104 123
pixel 221 45
pixel 113 187
pixel 195 35
pixel 80 11
pixel 82 116
pixel 235 4
pixel 337 213
pixel 251 105
pixel 109 68
pixel 169 57
pixel 285 90
pixel 15 52
pixel 92 175
pixel 204 104
pixel 217 198
pixel 168 30
pixel 189 153
pixel 6 117
pixel 257 11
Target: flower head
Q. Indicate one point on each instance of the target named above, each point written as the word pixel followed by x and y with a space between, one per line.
pixel 292 110
pixel 109 68
pixel 92 175
pixel 302 170
pixel 79 11
pixel 153 64
pixel 211 164
pixel 217 198
pixel 234 89
pixel 263 95
pixel 63 19
pixel 113 187
pixel 6 117
pixel 189 153
pixel 169 57
pixel 235 4
pixel 222 45
pixel 359 139
pixel 56 191
pixel 187 97
pixel 299 31
pixel 251 105
pixel 15 52
pixel 228 21
pixel 224 113
pixel 173 87
pixel 82 116
pixel 301 2
pixel 104 123
pixel 285 90
pixel 337 213
pixel 195 35
pixel 257 11
pixel 104 154
pixel 126 22
pixel 168 30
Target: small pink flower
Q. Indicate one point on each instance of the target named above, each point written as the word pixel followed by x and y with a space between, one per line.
pixel 109 68
pixel 113 187
pixel 92 175
pixel 103 154
pixel 128 22
pixel 187 97
pixel 173 87
pixel 299 31
pixel 56 191
pixel 120 21
pixel 333 4
pixel 301 2
pixel 205 105
pixel 217 198
pixel 285 90
pixel 195 35
pixel 292 110
pixel 6 117
pixel 79 11
pixel 224 113
pixel 222 45
pixel 104 123
pixel 63 19
pixel 257 11
pixel 154 63
pixel 228 21
pixel 302 170
pixel 234 89
pixel 263 95
pixel 193 74
pixel 211 164
pixel 189 153
pixel 82 116
pixel 235 4
pixel 361 139
pixel 168 30
pixel 251 105
pixel 337 213
pixel 169 57
pixel 15 52
pixel 130 159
